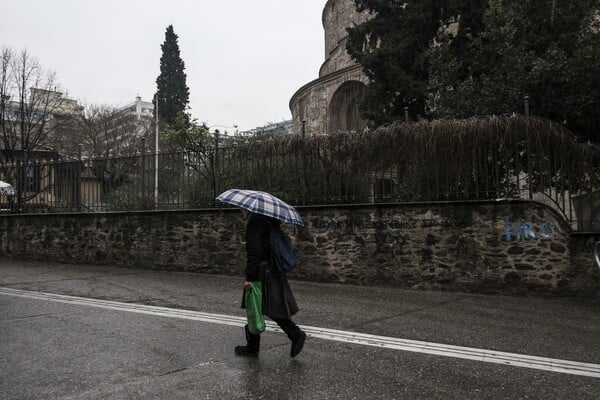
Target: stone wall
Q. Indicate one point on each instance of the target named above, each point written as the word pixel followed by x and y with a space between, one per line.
pixel 204 241
pixel 510 247
pixel 499 247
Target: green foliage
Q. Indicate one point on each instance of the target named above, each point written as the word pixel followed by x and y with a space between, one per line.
pixel 186 134
pixel 392 48
pixel 460 90
pixel 502 51
pixel 172 90
pixel 201 150
pixel 546 50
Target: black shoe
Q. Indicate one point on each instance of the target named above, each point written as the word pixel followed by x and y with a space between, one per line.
pixel 298 344
pixel 246 351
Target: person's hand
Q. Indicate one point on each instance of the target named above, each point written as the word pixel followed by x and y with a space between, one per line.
pixel 247 285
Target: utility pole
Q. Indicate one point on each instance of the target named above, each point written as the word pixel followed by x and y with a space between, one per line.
pixel 156 158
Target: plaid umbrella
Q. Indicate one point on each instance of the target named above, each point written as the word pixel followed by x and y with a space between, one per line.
pixel 6 189
pixel 261 203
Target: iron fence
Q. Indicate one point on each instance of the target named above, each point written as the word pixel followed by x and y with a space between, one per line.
pixel 410 162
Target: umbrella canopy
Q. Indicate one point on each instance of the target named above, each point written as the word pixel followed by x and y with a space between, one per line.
pixel 6 189
pixel 261 203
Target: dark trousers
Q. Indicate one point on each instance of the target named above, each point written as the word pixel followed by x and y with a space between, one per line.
pixel 288 326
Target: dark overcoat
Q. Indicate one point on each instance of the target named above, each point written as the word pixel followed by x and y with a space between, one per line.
pixel 277 300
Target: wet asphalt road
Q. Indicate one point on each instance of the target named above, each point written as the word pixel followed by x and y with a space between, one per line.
pixel 54 350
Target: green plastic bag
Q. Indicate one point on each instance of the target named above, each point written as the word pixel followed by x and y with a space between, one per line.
pixel 253 300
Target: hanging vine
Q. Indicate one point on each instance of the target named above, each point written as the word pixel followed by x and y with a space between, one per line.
pixel 425 160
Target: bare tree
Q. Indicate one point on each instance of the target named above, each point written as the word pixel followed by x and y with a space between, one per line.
pixel 104 131
pixel 110 138
pixel 28 101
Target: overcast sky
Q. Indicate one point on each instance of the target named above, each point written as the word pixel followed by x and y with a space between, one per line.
pixel 244 59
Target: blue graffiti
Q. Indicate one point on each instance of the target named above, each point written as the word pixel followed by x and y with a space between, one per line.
pixel 546 232
pixel 507 230
pixel 525 230
pixel 528 230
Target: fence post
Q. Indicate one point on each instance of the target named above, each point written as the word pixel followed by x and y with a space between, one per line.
pixel 529 176
pixel 21 183
pixel 216 172
pixel 143 171
pixel 78 171
pixel 406 116
pixel 52 192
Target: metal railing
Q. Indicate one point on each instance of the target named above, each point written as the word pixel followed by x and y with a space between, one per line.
pixel 371 167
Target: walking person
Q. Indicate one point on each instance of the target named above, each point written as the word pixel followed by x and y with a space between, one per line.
pixel 278 301
pixel 264 213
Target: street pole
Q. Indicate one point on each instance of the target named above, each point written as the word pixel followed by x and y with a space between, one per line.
pixel 156 158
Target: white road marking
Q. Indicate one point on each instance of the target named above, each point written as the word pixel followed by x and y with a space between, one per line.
pixel 467 353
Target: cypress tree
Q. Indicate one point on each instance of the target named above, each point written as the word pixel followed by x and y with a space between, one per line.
pixel 172 91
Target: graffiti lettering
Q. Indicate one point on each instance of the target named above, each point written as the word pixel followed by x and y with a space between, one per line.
pixel 443 222
pixel 351 225
pixel 525 230
pixel 401 224
pixel 545 231
pixel 335 225
pixel 429 223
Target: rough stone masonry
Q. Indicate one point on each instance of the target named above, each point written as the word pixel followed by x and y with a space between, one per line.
pixel 484 246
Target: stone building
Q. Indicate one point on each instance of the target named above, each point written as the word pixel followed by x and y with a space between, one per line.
pixel 330 103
